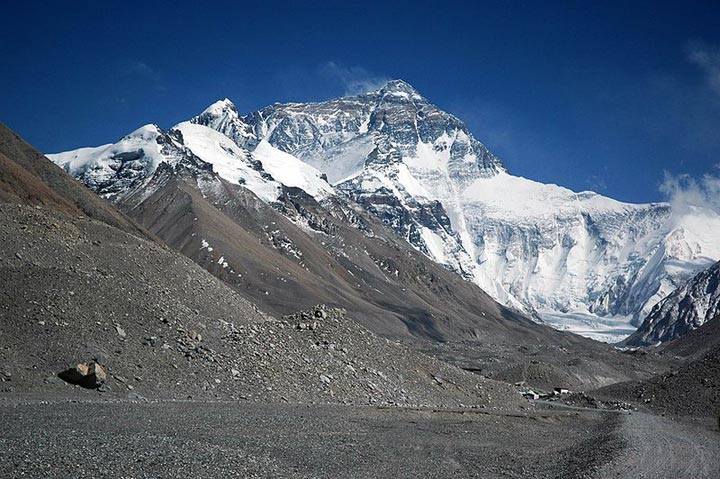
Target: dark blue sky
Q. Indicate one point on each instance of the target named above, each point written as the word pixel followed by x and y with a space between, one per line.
pixel 590 95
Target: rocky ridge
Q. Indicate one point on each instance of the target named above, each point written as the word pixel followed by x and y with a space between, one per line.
pixel 684 310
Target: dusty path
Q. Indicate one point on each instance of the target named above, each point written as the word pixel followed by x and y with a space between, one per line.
pixel 216 439
pixel 658 447
pixel 206 439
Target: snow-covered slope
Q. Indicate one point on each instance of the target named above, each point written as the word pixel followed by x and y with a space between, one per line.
pixel 290 171
pixel 579 253
pixel 685 309
pixel 117 169
pixel 570 258
pixel 231 162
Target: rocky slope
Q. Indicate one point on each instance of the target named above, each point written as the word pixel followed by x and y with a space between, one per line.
pixel 684 310
pixel 691 387
pixel 74 289
pixel 77 290
pixel 570 258
pixel 27 177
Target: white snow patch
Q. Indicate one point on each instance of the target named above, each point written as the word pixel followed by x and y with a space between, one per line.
pixel 229 161
pixel 434 244
pixel 291 171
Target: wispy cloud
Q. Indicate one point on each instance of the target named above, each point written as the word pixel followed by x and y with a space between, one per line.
pixel 598 182
pixel 354 80
pixel 707 57
pixel 685 192
pixel 141 70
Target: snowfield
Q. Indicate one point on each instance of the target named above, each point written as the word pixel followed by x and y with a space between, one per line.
pixel 229 161
pixel 290 171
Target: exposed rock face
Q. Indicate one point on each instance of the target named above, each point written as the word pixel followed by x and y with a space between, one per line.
pixel 88 375
pixel 684 310
pixel 337 136
pixel 222 116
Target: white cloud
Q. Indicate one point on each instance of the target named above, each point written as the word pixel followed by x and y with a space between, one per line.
pixel 707 57
pixel 685 191
pixel 354 80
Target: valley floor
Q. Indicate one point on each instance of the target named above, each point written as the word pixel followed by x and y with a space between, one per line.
pixel 132 439
pixel 220 439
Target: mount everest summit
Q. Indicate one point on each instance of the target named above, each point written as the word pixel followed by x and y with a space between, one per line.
pixel 577 260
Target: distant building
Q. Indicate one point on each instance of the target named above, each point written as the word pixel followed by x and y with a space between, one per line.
pixel 531 395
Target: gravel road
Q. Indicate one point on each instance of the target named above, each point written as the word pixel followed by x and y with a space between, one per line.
pixel 659 447
pixel 216 439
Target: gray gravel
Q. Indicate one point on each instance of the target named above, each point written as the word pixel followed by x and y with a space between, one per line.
pixel 210 439
pixel 663 448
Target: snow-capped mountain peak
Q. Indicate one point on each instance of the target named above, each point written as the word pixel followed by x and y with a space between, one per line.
pixel 116 168
pixel 223 116
pixel 400 89
pixel 221 106
pixel 568 257
pixel 147 132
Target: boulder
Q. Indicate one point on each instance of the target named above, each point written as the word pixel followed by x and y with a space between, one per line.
pixel 88 375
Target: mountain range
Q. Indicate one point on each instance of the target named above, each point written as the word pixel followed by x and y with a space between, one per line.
pixel 83 281
pixel 339 170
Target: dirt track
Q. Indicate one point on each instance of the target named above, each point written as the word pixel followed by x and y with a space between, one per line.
pixel 658 447
pixel 213 439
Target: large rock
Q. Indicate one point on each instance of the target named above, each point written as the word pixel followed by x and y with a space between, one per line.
pixel 88 375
